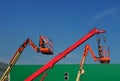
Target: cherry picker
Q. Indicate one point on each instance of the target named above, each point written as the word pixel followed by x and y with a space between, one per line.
pixel 104 57
pixel 45 48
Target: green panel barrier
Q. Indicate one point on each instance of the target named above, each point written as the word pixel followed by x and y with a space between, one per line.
pixel 68 72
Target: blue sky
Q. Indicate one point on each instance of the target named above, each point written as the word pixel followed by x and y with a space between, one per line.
pixel 64 21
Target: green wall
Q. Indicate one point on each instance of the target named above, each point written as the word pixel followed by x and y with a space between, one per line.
pixel 93 72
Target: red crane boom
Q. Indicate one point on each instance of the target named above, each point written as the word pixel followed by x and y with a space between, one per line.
pixel 61 55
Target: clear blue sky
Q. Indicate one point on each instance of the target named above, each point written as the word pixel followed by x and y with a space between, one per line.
pixel 64 21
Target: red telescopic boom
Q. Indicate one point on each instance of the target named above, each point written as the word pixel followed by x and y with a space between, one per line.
pixel 61 55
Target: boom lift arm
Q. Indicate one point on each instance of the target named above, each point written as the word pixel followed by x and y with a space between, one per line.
pixel 43 49
pixel 103 59
pixel 61 55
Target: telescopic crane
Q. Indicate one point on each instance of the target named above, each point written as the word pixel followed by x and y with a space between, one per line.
pixel 61 55
pixel 45 48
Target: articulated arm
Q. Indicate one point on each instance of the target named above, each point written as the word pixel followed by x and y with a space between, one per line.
pixel 44 50
pixel 87 48
pixel 17 55
pixel 100 59
pixel 20 50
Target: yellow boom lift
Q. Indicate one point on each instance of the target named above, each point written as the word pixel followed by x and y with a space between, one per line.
pixel 45 48
pixel 104 56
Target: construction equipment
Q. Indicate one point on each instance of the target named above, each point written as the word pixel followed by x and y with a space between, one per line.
pixel 103 58
pixel 61 55
pixel 45 48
